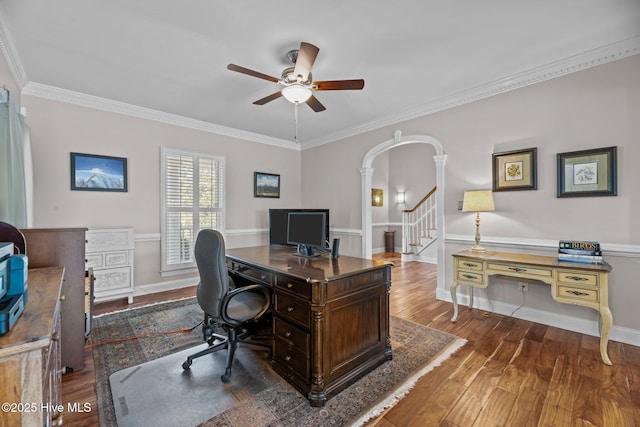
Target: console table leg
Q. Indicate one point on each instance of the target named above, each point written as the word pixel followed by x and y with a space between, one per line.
pixel 454 299
pixel 470 288
pixel 606 320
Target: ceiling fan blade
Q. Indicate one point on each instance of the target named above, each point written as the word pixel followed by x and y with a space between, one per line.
pixel 269 98
pixel 339 85
pixel 315 104
pixel 249 72
pixel 306 57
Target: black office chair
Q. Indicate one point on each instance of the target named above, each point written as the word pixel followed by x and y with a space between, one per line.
pixel 237 311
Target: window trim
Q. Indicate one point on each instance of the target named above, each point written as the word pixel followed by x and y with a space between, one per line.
pixel 186 268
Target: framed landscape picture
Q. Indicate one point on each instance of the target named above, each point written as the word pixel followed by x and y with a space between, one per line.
pixel 588 173
pixel 91 172
pixel 266 185
pixel 515 170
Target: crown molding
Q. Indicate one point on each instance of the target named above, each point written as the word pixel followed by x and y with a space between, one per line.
pixel 98 103
pixel 599 56
pixel 579 62
pixel 7 47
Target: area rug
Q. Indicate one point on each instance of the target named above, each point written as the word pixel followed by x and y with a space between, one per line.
pixel 149 367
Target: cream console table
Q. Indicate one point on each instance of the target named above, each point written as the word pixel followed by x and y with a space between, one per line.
pixel 571 282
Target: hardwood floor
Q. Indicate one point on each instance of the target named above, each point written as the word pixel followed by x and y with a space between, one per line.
pixel 510 373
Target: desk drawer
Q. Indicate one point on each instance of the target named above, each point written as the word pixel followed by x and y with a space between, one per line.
pixel 578 294
pixel 254 274
pixel 292 334
pixel 469 276
pixel 292 309
pixel 578 278
pixel 288 356
pixel 469 264
pixel 298 287
pixel 522 270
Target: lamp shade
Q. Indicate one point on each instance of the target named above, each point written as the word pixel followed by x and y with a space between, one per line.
pixel 296 93
pixel 478 201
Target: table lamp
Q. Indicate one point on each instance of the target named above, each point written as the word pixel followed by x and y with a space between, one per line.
pixel 478 201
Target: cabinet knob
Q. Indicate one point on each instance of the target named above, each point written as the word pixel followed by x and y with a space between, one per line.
pixel 287 334
pixel 290 308
pixel 288 358
pixel 289 285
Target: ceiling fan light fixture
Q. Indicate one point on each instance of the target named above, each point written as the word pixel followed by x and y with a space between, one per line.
pixel 296 93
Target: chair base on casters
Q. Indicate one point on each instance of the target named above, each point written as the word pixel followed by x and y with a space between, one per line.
pixel 219 342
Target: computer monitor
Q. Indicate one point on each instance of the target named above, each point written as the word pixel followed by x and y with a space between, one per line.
pixel 307 230
pixel 279 222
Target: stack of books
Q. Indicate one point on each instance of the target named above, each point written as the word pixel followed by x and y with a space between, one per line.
pixel 579 251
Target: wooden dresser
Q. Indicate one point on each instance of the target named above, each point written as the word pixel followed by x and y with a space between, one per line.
pixel 48 247
pixel 30 366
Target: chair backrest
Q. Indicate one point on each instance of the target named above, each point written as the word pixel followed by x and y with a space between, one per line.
pixel 209 252
pixel 9 233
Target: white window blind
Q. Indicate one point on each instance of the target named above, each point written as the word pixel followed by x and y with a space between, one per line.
pixel 192 199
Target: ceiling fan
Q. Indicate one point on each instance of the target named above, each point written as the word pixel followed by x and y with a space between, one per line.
pixel 297 80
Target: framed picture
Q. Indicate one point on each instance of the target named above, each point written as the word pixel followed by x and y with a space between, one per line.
pixel 266 185
pixel 588 173
pixel 515 170
pixel 90 172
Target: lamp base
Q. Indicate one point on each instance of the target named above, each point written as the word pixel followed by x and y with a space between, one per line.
pixel 477 248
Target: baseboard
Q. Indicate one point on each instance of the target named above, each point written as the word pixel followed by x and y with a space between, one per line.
pixel 164 286
pixel 583 326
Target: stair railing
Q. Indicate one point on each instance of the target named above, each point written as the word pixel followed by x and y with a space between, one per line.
pixel 419 222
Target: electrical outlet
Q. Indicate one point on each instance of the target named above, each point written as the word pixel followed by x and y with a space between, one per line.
pixel 524 287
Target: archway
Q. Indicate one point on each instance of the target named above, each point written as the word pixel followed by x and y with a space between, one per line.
pixel 366 173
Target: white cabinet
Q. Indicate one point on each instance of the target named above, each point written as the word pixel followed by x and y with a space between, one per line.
pixel 109 251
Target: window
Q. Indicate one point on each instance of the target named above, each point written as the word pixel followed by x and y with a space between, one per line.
pixel 192 199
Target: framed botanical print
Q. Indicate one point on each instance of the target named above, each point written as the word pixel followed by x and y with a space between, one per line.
pixel 588 173
pixel 515 170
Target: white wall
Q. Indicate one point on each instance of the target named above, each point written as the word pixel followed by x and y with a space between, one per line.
pixel 59 128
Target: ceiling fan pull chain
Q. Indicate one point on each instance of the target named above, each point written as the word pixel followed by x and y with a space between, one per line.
pixel 295 116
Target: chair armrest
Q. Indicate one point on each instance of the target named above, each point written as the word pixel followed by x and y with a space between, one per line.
pixel 249 288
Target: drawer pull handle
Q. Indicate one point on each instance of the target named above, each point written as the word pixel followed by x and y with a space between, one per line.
pixel 577 278
pixel 288 358
pixel 469 276
pixel 468 264
pixel 290 308
pixel 517 269
pixel 578 293
pixel 262 276
pixel 289 285
pixel 287 334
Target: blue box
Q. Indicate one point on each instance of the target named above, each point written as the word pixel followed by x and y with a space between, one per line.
pixel 4 276
pixel 18 269
pixel 10 309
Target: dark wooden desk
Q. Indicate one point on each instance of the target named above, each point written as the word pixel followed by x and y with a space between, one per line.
pixel 331 316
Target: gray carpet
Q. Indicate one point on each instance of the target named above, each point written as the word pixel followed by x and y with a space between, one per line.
pixel 147 394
